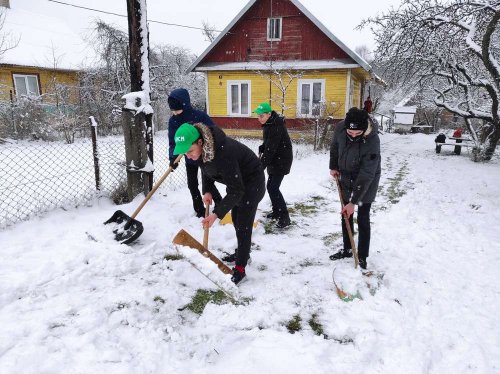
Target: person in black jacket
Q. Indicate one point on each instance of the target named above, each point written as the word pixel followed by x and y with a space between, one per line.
pixel 229 162
pixel 276 155
pixel 182 112
pixel 355 157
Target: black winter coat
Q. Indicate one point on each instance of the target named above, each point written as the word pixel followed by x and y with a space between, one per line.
pixel 277 153
pixel 229 162
pixel 358 162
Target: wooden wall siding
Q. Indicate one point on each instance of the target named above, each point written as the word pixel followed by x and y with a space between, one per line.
pixel 45 76
pixel 301 39
pixel 335 89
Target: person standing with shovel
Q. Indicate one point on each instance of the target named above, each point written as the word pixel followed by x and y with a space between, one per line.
pixel 229 162
pixel 355 159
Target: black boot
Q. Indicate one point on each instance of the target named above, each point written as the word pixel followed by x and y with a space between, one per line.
pixel 284 221
pixel 362 262
pixel 343 253
pixel 272 215
pixel 232 258
pixel 238 274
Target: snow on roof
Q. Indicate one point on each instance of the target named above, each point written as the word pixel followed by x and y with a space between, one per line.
pixel 405 109
pixel 44 42
pixel 279 65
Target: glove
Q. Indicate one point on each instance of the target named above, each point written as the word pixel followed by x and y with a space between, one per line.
pixel 261 148
pixel 173 164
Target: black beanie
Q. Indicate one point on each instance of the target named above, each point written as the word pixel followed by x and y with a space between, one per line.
pixel 174 104
pixel 356 119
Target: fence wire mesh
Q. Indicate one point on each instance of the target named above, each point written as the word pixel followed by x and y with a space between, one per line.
pixel 38 176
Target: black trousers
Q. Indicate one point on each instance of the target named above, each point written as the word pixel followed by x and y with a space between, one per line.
pixel 363 228
pixel 243 215
pixel 192 179
pixel 273 189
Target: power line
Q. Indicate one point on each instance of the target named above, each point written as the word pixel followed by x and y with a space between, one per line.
pixel 121 15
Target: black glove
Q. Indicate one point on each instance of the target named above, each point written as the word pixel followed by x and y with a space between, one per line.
pixel 261 148
pixel 173 164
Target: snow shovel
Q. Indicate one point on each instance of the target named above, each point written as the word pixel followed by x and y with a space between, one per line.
pixel 127 229
pixel 348 226
pixel 183 238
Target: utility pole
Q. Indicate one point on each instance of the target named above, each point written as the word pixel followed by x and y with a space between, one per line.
pixel 137 112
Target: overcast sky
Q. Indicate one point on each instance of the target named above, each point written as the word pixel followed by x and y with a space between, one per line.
pixel 341 17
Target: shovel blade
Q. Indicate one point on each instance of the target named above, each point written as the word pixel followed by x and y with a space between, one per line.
pixel 125 228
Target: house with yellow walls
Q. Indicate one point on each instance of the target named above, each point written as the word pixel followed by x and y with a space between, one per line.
pixel 276 51
pixel 44 55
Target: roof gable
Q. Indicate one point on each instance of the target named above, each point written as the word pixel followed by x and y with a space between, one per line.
pixel 244 39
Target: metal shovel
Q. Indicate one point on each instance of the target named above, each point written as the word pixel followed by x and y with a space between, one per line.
pixel 127 229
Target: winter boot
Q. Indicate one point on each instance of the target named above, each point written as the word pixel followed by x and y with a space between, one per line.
pixel 362 262
pixel 284 221
pixel 238 274
pixel 272 215
pixel 232 258
pixel 343 253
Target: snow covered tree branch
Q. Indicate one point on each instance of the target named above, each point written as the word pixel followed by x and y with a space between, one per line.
pixel 451 48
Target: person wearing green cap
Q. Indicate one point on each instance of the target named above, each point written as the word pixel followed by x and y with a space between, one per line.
pixel 232 163
pixel 276 155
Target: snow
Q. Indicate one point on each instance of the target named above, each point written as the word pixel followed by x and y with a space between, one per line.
pixel 138 102
pixel 43 41
pixel 74 300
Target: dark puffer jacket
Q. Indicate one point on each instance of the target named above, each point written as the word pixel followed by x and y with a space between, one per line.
pixel 188 115
pixel 229 162
pixel 358 162
pixel 277 153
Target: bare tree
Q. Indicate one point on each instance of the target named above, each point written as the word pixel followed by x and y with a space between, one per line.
pixel 7 41
pixel 209 31
pixel 281 79
pixel 452 48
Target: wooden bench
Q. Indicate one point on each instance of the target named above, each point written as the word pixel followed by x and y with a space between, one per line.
pixel 458 144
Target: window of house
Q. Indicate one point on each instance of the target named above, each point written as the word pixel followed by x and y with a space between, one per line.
pixel 26 85
pixel 238 98
pixel 274 29
pixel 311 94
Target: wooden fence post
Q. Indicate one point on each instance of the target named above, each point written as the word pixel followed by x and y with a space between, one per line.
pixel 93 132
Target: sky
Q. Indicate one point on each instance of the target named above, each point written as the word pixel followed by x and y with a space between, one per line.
pixel 340 17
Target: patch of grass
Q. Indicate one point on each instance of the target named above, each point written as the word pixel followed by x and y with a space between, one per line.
pixel 307 262
pixel 262 268
pixel 329 240
pixel 295 324
pixel 120 195
pixel 269 227
pixel 315 325
pixel 174 257
pixel 394 191
pixel 159 299
pixel 308 207
pixel 203 297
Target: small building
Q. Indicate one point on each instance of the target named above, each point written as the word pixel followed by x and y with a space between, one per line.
pixel 278 52
pixel 403 118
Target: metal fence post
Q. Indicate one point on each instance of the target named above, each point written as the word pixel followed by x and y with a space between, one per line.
pixel 93 132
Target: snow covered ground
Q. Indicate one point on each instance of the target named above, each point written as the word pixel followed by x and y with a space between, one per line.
pixel 71 302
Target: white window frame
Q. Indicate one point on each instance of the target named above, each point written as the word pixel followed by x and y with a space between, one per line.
pixel 229 102
pixel 25 76
pixel 281 29
pixel 300 82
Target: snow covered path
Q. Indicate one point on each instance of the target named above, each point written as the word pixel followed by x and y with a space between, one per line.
pixel 69 304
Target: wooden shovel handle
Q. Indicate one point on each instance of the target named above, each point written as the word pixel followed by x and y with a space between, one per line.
pixel 206 228
pixel 348 225
pixel 155 187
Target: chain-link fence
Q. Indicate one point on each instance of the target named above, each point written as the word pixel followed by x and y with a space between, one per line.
pixel 38 176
